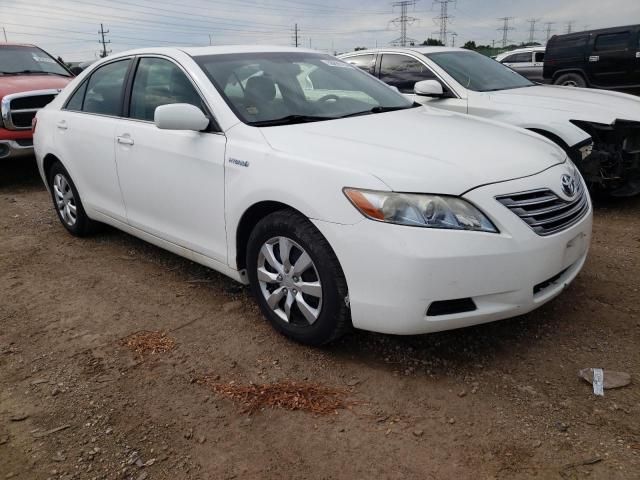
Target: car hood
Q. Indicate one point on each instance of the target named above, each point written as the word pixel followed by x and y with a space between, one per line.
pixel 421 149
pixel 601 106
pixel 23 83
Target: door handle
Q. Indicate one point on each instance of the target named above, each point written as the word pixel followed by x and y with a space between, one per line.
pixel 594 58
pixel 637 54
pixel 62 125
pixel 125 140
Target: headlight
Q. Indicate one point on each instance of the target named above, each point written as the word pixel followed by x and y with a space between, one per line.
pixel 416 210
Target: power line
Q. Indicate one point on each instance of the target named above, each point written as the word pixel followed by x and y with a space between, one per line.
pixel 403 20
pixel 104 42
pixel 443 19
pixel 549 29
pixel 505 30
pixel 532 28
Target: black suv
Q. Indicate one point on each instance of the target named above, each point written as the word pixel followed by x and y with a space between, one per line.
pixel 605 58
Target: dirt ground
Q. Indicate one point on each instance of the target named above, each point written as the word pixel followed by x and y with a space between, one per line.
pixel 501 400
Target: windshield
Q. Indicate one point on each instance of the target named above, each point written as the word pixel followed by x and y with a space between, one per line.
pixel 477 72
pixel 277 88
pixel 16 59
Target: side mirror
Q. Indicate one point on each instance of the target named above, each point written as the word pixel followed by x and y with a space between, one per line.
pixel 180 116
pixel 428 88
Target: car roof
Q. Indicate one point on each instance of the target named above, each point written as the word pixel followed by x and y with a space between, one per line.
pixel 598 30
pixel 214 50
pixel 422 50
pixel 8 44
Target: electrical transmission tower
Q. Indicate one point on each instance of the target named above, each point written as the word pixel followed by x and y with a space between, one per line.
pixel 104 42
pixel 505 30
pixel 532 28
pixel 296 36
pixel 443 19
pixel 403 21
pixel 570 26
pixel 549 29
pixel 453 38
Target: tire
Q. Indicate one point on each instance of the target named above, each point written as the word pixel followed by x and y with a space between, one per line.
pixel 65 199
pixel 301 311
pixel 571 80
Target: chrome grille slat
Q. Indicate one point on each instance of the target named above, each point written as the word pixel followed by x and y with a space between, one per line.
pixel 544 211
pixel 18 109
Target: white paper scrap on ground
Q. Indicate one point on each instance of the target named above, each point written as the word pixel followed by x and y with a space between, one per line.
pixel 598 382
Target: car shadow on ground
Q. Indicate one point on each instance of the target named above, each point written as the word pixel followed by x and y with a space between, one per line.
pixel 19 175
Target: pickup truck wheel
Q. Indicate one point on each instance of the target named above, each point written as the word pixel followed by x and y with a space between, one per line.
pixel 571 80
pixel 297 280
pixel 67 203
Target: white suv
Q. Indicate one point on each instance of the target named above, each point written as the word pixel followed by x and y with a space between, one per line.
pixel 340 201
pixel 528 62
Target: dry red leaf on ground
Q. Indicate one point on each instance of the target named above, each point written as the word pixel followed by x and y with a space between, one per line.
pixel 286 394
pixel 149 342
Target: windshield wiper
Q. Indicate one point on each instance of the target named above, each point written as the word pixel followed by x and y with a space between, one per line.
pixel 289 120
pixel 379 109
pixel 37 72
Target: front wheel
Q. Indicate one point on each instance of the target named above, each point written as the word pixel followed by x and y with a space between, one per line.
pixel 297 280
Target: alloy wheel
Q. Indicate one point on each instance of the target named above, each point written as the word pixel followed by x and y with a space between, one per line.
pixel 289 281
pixel 65 201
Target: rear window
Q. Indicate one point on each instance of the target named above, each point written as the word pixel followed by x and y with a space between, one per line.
pixel 612 41
pixel 566 45
pixel 524 57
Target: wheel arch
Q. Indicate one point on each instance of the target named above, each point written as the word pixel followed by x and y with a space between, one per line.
pixel 248 220
pixel 47 162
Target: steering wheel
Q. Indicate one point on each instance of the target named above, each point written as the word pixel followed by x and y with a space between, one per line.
pixel 326 98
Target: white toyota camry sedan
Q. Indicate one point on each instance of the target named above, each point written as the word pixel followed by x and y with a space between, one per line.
pixel 340 202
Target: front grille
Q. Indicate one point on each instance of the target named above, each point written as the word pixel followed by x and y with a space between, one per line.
pixel 544 211
pixel 451 307
pixel 18 109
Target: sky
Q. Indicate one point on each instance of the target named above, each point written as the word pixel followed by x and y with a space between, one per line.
pixel 69 28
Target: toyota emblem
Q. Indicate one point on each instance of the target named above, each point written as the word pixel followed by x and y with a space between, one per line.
pixel 569 186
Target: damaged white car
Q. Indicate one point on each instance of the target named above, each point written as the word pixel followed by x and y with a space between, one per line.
pixel 600 130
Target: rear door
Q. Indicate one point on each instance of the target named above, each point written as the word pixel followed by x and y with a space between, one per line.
pixel 613 57
pixel 636 66
pixel 404 71
pixel 520 62
pixel 84 137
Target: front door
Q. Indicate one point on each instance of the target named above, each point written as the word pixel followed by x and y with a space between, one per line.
pixel 612 59
pixel 404 71
pixel 172 181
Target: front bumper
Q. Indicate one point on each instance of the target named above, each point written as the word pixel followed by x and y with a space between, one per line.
pixel 15 143
pixel 396 273
pixel 15 149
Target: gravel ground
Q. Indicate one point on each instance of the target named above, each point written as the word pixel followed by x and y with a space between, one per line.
pixel 501 400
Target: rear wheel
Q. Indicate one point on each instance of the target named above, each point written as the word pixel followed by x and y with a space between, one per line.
pixel 571 80
pixel 68 204
pixel 297 280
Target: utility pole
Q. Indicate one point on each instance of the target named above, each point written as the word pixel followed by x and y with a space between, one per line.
pixel 570 26
pixel 505 30
pixel 443 19
pixel 532 28
pixel 453 38
pixel 104 42
pixel 549 29
pixel 210 39
pixel 403 20
pixel 5 35
pixel 296 36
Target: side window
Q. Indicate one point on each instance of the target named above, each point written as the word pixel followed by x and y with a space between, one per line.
pixel 159 82
pixel 104 89
pixel 612 41
pixel 403 72
pixel 77 99
pixel 539 57
pixel 364 62
pixel 524 57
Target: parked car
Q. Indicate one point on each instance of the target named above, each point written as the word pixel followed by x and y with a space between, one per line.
pixel 29 79
pixel 337 199
pixel 528 62
pixel 606 58
pixel 599 130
